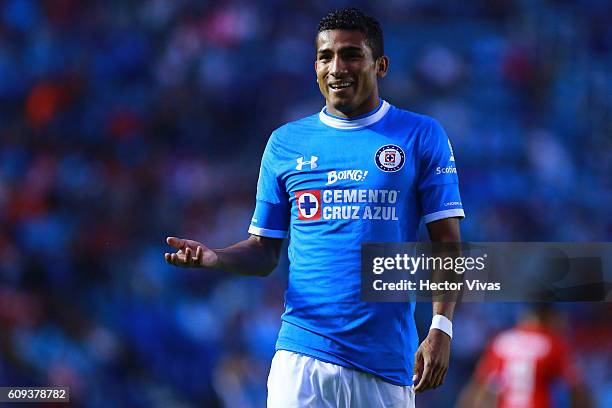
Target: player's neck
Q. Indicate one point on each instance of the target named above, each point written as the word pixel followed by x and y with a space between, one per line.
pixel 362 111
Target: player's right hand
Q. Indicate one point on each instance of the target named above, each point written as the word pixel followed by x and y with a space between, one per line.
pixel 190 254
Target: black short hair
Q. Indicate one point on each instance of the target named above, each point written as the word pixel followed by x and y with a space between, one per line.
pixel 543 311
pixel 354 19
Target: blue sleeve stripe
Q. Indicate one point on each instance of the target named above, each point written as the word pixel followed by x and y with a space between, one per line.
pixel 268 233
pixel 456 212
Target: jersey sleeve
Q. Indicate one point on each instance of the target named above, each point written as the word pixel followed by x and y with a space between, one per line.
pixel 488 368
pixel 438 186
pixel 564 363
pixel 271 216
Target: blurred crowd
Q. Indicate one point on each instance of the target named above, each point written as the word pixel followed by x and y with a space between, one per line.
pixel 122 122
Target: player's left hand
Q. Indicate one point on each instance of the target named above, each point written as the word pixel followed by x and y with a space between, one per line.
pixel 431 361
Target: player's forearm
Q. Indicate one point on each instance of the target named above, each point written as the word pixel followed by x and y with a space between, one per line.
pixel 444 302
pixel 444 308
pixel 477 394
pixel 447 232
pixel 580 397
pixel 253 257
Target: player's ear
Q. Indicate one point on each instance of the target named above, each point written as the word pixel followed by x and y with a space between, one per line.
pixel 383 66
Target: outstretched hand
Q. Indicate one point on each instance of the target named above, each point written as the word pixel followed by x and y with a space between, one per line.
pixel 431 361
pixel 190 254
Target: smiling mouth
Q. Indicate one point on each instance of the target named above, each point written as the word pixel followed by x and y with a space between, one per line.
pixel 340 85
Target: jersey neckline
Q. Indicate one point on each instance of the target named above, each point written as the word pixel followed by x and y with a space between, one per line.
pixel 359 122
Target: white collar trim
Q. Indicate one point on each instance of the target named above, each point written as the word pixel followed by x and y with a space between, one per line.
pixel 362 122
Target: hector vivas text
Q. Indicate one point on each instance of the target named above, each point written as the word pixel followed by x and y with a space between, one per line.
pixel 411 264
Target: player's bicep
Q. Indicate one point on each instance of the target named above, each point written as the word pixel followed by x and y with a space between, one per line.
pixel 270 186
pixel 269 245
pixel 488 368
pixel 438 185
pixel 270 220
pixel 565 364
pixel 441 201
pixel 271 215
pixel 444 230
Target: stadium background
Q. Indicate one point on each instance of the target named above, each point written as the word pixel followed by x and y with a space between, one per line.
pixel 122 122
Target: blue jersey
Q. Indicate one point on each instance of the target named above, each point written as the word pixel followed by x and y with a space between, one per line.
pixel 330 184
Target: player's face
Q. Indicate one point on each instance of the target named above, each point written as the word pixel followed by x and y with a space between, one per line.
pixel 347 73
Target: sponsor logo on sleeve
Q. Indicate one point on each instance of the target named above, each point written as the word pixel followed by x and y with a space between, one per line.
pixel 390 158
pixel 446 170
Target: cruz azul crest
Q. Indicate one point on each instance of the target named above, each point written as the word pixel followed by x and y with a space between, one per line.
pixel 390 158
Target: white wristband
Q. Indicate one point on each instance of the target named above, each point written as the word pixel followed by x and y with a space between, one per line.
pixel 442 322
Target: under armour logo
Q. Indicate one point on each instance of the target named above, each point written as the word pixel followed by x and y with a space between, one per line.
pixel 301 162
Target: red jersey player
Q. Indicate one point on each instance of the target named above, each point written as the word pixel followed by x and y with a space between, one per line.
pixel 520 366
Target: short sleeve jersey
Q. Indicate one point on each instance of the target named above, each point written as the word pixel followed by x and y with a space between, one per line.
pixel 522 364
pixel 330 184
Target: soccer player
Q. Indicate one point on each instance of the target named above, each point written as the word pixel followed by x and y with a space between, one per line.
pixel 361 170
pixel 520 366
